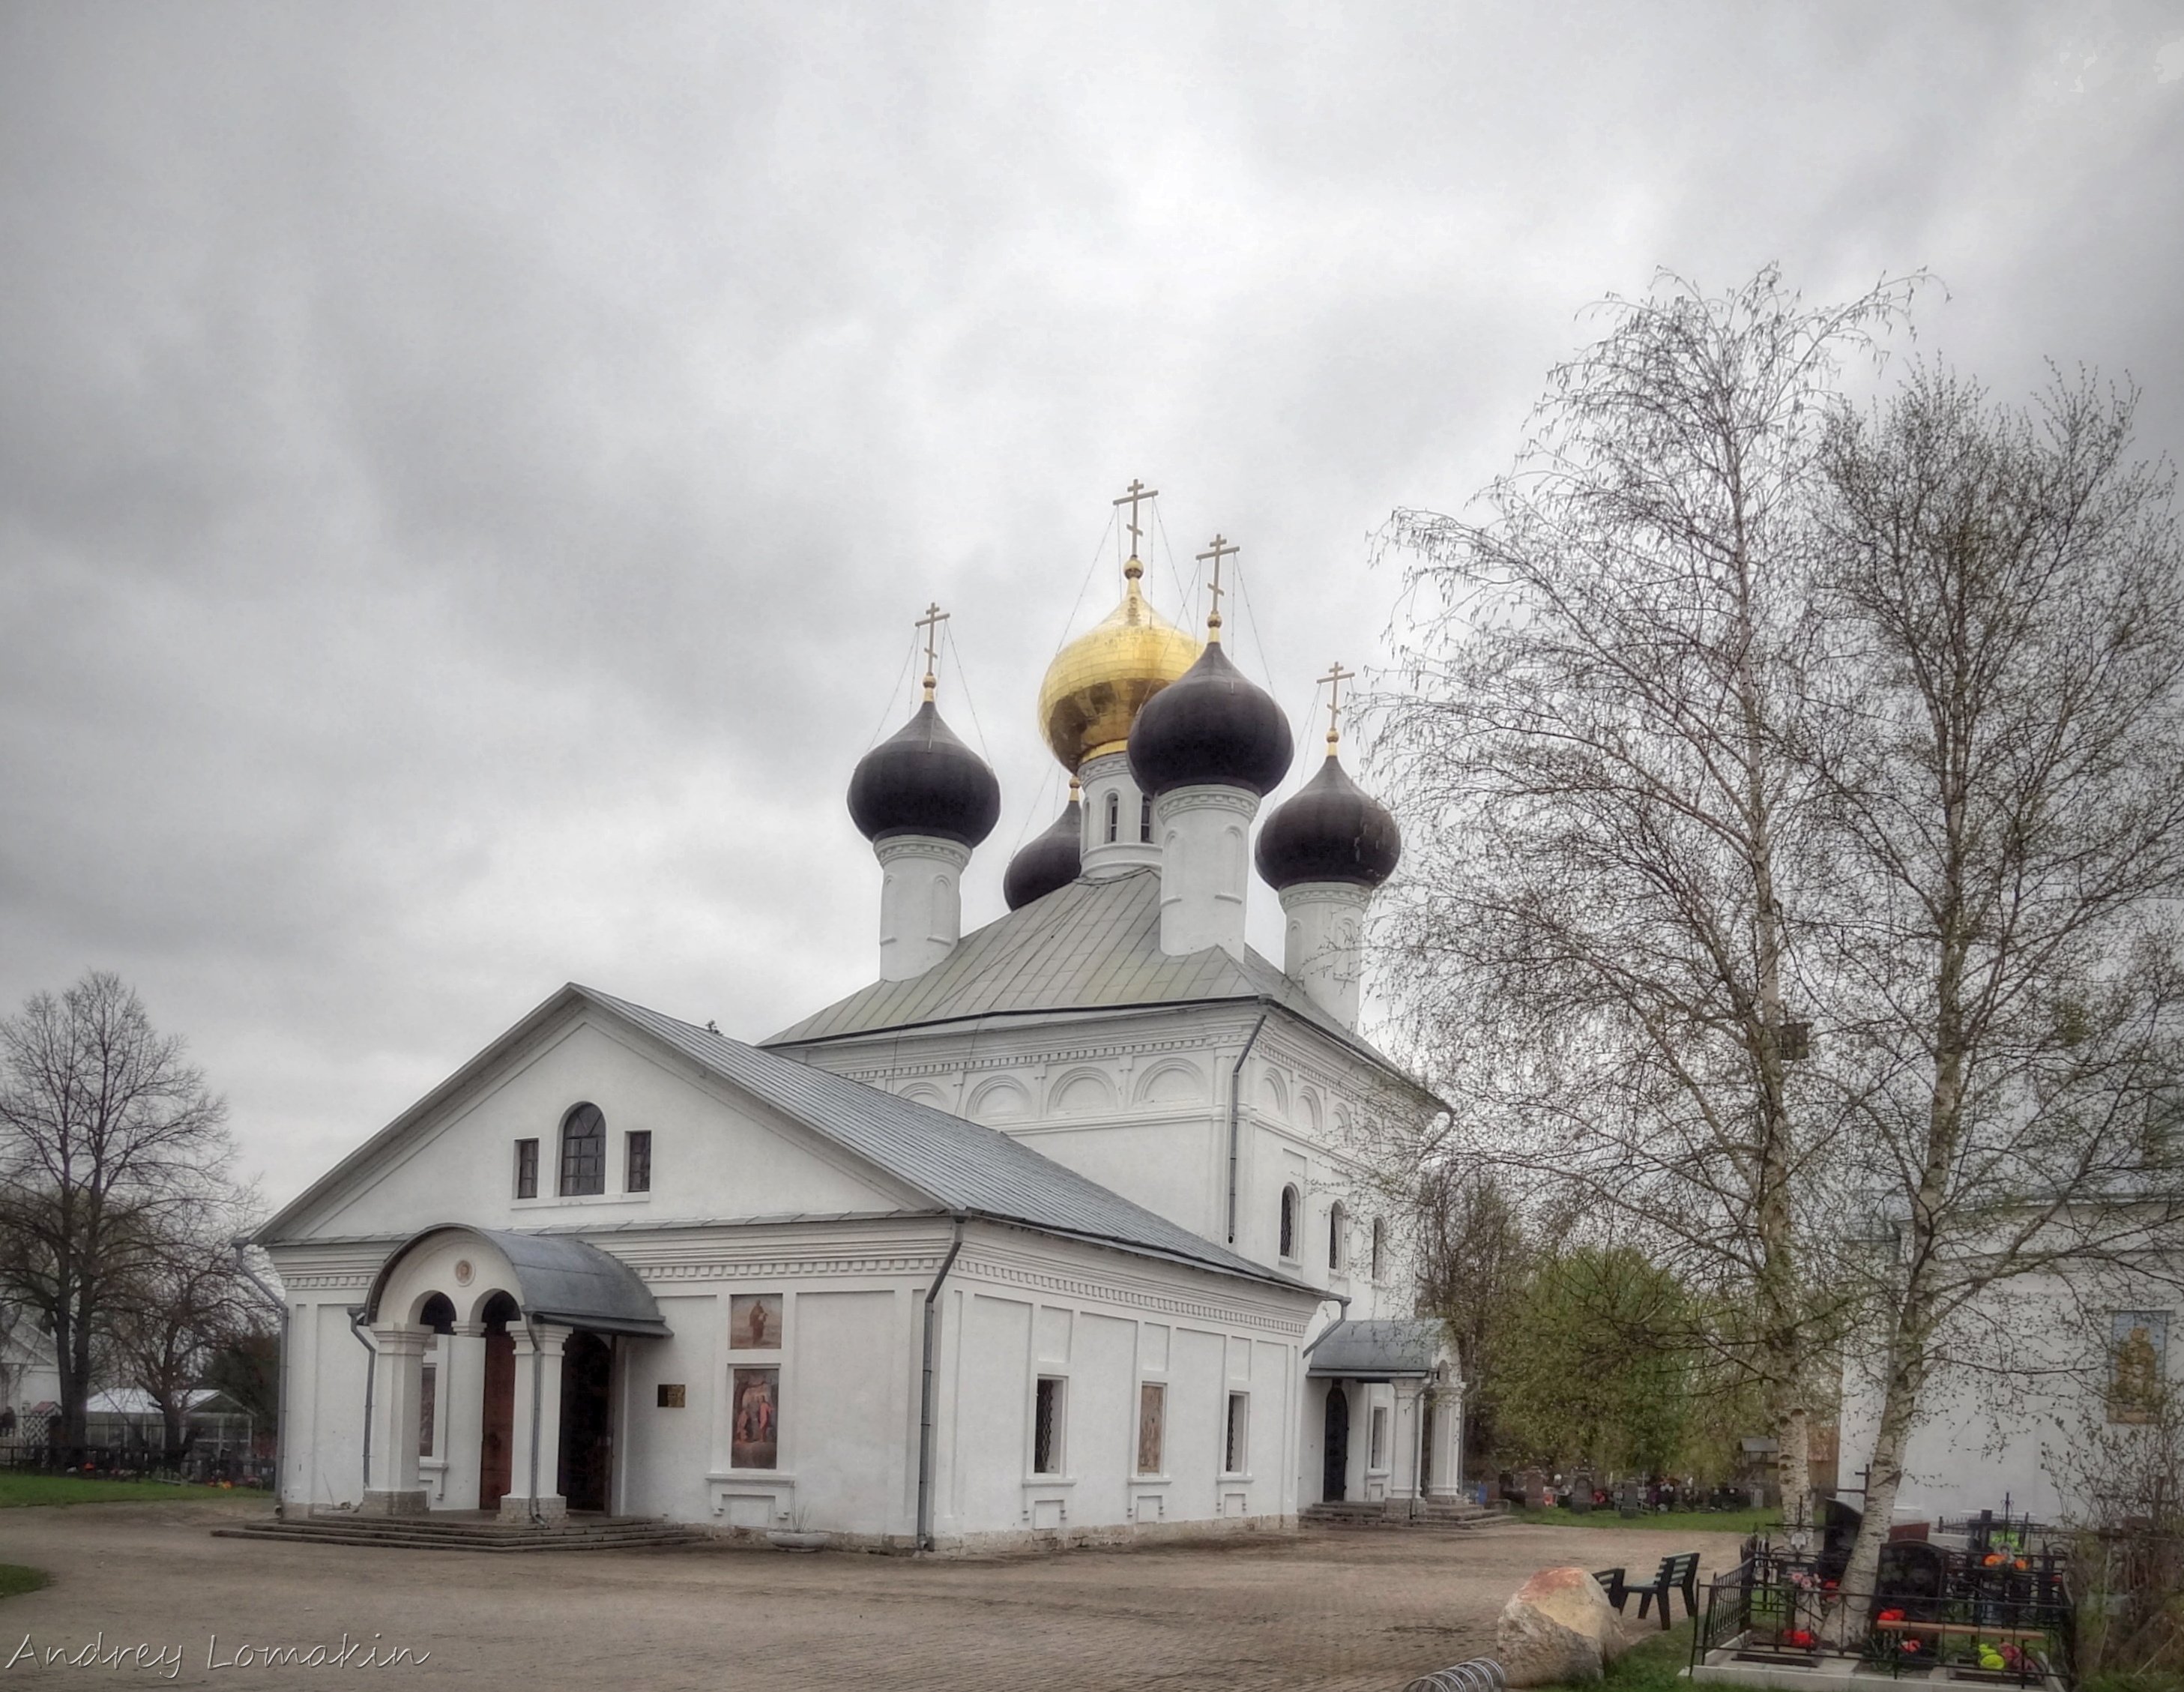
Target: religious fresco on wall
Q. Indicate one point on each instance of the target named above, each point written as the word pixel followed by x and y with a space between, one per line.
pixel 2138 1352
pixel 1153 1414
pixel 755 1434
pixel 754 1322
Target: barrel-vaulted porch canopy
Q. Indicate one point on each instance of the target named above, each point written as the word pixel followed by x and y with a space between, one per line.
pixel 1408 1349
pixel 558 1279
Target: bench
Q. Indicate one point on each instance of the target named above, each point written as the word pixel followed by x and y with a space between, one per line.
pixel 1611 1582
pixel 1681 1571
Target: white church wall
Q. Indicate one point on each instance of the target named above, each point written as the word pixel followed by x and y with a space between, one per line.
pixel 1018 1307
pixel 665 1454
pixel 2037 1384
pixel 845 1435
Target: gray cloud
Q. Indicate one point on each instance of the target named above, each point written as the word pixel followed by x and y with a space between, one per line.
pixel 465 476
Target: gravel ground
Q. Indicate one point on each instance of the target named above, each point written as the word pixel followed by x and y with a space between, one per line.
pixel 1363 1610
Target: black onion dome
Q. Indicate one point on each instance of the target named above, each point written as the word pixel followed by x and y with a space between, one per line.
pixel 1054 859
pixel 1210 729
pixel 922 781
pixel 1330 830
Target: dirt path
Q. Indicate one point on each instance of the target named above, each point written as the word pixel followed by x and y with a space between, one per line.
pixel 1348 1610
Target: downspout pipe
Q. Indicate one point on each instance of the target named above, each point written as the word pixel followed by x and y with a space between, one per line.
pixel 925 1414
pixel 371 1380
pixel 280 1385
pixel 1236 1127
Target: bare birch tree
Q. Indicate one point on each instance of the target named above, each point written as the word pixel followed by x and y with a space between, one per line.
pixel 2006 799
pixel 108 1141
pixel 1595 748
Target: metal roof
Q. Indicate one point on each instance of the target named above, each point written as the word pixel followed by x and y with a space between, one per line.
pixel 558 1279
pixel 958 1165
pixel 1403 1348
pixel 1092 944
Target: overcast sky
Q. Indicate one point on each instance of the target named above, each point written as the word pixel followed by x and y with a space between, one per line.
pixel 467 473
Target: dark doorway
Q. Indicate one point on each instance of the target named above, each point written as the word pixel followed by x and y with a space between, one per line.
pixel 1334 1483
pixel 1425 1441
pixel 587 1425
pixel 497 1440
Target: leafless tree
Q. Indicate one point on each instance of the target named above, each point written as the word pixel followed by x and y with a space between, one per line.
pixel 186 1301
pixel 2005 798
pixel 1596 741
pixel 108 1140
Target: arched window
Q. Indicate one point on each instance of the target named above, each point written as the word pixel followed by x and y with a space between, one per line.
pixel 1338 1224
pixel 1145 819
pixel 1114 817
pixel 583 1152
pixel 1289 1222
pixel 438 1313
pixel 1380 1249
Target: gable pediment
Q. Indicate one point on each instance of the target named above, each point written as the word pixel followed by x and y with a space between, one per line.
pixel 716 1152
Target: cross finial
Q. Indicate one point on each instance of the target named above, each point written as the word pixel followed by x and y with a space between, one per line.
pixel 1217 549
pixel 930 622
pixel 1136 495
pixel 1334 678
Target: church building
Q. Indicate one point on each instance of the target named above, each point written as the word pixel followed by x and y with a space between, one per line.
pixel 1055 1232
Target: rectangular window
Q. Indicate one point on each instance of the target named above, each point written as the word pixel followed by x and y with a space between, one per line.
pixel 1236 1454
pixel 1379 1436
pixel 2138 1358
pixel 1152 1417
pixel 428 1392
pixel 1046 1427
pixel 637 1175
pixel 527 1169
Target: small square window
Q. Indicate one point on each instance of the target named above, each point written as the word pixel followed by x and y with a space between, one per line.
pixel 1046 1427
pixel 527 1169
pixel 637 1168
pixel 673 1396
pixel 1236 1452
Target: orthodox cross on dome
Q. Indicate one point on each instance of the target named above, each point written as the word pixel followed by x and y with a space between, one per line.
pixel 1216 550
pixel 1136 494
pixel 930 622
pixel 1334 678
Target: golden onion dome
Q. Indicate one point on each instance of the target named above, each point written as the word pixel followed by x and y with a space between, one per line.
pixel 1097 684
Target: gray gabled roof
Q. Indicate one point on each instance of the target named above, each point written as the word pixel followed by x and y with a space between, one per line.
pixel 960 1166
pixel 1400 1348
pixel 1093 945
pixel 954 1166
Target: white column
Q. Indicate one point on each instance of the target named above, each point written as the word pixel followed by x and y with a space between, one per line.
pixel 537 1409
pixel 1205 868
pixel 1403 1460
pixel 1105 778
pixel 462 1390
pixel 1446 1479
pixel 396 1399
pixel 1322 945
pixel 921 902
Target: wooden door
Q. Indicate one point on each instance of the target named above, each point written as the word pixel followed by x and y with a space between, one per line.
pixel 496 1448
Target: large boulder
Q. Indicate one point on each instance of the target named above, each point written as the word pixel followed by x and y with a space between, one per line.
pixel 1559 1627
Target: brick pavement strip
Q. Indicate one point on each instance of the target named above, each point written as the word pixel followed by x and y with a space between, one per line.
pixel 1336 1610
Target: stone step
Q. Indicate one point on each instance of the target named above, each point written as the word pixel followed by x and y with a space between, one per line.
pixel 422 1534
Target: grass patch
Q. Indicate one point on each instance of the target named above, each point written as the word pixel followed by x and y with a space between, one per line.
pixel 18 1488
pixel 1664 1521
pixel 14 1578
pixel 2142 1680
pixel 1657 1665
